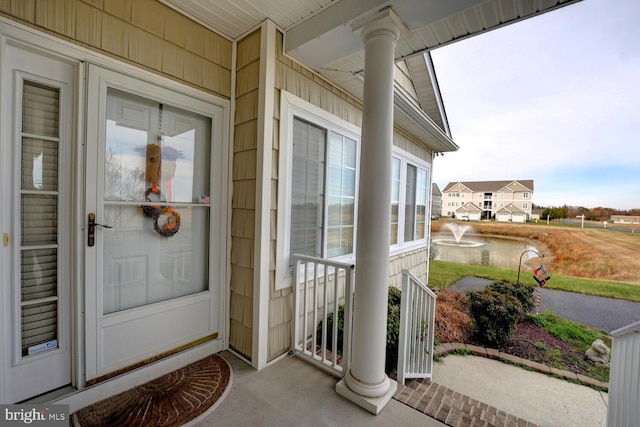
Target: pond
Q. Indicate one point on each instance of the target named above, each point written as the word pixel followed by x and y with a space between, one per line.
pixel 475 249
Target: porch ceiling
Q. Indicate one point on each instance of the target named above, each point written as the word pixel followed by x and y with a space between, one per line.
pixel 318 34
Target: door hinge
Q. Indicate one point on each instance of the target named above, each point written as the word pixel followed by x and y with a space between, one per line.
pixel 5 239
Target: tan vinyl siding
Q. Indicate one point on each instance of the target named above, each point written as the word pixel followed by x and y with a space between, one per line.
pixel 402 77
pixel 56 15
pixel 414 261
pixel 405 143
pixel 243 204
pixel 145 33
pixel 311 87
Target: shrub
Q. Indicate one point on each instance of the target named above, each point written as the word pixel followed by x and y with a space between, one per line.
pixel 452 323
pixel 393 330
pixel 495 316
pixel 523 293
pixel 330 330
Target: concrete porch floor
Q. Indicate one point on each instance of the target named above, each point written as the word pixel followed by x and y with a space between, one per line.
pixel 466 391
pixel 292 392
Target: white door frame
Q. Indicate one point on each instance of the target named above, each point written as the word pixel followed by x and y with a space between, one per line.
pixel 105 332
pixel 11 31
pixel 26 376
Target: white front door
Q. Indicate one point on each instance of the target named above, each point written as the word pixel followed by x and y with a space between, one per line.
pixel 37 139
pixel 154 186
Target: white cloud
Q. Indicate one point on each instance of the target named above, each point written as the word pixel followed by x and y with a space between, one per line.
pixel 552 95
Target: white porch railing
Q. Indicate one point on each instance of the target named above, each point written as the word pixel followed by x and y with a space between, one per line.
pixel 624 378
pixel 417 318
pixel 320 287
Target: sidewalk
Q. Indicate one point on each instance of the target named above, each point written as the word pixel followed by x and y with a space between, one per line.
pixel 485 388
pixel 533 396
pixel 465 391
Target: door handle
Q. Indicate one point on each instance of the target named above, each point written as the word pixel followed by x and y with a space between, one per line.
pixel 91 237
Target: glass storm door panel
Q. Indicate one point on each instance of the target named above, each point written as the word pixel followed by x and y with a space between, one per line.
pixel 156 167
pixel 41 280
pixel 152 197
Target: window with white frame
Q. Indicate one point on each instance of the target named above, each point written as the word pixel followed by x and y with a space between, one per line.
pixel 525 205
pixel 323 188
pixel 317 185
pixel 396 163
pixel 525 195
pixel 409 184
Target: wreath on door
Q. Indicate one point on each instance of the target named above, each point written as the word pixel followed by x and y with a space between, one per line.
pixel 166 221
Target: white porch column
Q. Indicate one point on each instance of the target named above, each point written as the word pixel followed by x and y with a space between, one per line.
pixel 366 382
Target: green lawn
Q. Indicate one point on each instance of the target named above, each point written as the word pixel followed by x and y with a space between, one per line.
pixel 443 274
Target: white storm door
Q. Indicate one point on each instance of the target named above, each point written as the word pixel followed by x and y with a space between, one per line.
pixel 37 97
pixel 154 184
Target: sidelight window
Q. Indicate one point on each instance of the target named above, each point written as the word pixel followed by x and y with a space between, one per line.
pixel 39 209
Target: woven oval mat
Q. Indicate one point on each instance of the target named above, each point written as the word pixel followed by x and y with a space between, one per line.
pixel 171 400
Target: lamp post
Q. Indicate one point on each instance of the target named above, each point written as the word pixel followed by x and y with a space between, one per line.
pixel 520 263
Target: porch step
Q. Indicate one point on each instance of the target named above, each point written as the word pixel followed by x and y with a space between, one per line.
pixel 453 408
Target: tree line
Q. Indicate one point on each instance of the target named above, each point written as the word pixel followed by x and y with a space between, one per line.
pixel 590 214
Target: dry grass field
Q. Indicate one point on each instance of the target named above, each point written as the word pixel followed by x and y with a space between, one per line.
pixel 595 253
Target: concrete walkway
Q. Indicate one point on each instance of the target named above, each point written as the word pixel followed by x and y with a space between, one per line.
pixel 487 388
pixel 464 391
pixel 533 396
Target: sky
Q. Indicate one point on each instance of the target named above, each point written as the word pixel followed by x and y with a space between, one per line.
pixel 554 98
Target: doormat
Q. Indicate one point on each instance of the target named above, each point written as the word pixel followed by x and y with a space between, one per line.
pixel 171 400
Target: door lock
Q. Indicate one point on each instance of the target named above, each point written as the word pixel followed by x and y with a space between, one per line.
pixel 91 237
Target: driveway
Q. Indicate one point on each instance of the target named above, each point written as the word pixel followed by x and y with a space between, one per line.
pixel 598 312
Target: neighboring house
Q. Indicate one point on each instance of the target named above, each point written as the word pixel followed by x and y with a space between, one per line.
pixel 511 213
pixel 436 201
pixel 535 214
pixel 490 197
pixel 625 219
pixel 469 211
pixel 161 161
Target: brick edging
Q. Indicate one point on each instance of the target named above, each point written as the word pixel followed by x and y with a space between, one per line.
pixel 476 350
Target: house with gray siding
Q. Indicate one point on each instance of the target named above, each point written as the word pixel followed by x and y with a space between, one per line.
pixel 436 200
pixel 625 219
